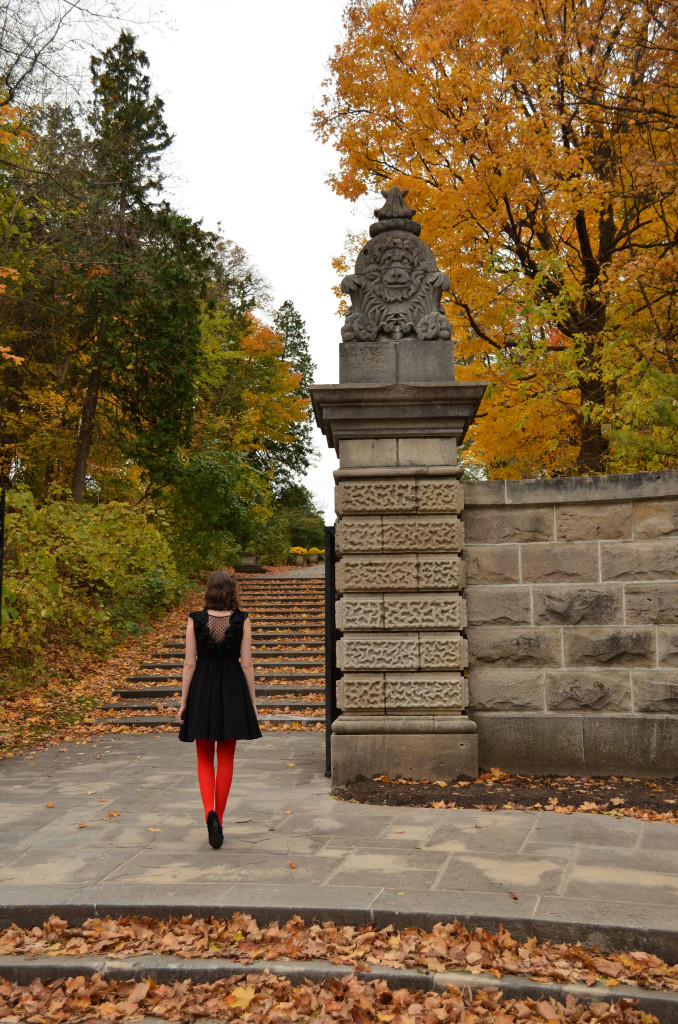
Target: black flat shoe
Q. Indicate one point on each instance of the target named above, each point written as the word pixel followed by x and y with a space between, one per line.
pixel 214 831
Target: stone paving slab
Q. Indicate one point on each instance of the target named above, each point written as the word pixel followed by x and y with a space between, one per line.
pixel 565 877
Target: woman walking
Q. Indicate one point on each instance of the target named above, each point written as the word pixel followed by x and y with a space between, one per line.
pixel 218 699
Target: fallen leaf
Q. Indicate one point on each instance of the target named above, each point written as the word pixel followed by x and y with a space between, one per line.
pixel 292 864
pixel 49 804
pixel 513 896
pixel 83 824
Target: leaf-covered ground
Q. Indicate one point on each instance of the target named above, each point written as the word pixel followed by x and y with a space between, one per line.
pixel 446 947
pixel 618 797
pixel 58 712
pixel 269 999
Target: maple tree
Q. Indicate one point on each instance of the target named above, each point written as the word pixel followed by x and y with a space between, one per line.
pixel 538 143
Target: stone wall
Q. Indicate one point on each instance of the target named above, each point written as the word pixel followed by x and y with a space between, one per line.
pixel 572 608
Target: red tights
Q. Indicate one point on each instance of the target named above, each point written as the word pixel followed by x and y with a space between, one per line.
pixel 214 790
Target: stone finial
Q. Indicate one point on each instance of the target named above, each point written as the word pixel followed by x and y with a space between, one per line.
pixel 396 289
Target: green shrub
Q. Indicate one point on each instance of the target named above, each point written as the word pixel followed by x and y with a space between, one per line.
pixel 78 575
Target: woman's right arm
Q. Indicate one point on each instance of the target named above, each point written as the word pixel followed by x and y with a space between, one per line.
pixel 190 658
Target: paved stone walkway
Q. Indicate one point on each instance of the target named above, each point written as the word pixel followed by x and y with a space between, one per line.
pixel 567 877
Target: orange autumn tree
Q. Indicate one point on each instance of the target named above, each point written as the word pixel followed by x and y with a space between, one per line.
pixel 538 140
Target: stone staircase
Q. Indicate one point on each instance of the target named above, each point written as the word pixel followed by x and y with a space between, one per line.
pixel 288 645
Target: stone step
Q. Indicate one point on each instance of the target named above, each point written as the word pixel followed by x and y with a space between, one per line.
pixel 272 689
pixel 169 720
pixel 154 705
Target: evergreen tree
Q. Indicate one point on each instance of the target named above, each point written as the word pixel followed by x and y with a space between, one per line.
pixel 148 269
pixel 294 458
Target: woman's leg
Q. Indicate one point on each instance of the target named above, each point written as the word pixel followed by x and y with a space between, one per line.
pixel 225 754
pixel 205 752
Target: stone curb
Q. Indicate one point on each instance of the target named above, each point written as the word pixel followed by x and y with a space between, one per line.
pixel 165 969
pixel 274 904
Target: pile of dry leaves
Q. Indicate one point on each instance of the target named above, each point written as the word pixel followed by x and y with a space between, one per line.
pixel 446 947
pixel 617 797
pixel 265 998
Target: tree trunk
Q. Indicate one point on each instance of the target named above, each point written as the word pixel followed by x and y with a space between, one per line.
pixel 86 430
pixel 594 446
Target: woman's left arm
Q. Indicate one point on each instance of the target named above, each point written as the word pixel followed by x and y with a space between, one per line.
pixel 190 657
pixel 246 660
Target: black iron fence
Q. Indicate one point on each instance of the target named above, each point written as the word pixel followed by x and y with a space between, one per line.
pixel 331 672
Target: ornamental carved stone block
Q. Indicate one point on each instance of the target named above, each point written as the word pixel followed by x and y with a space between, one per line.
pixel 353 497
pixel 358 535
pixel 444 495
pixel 440 572
pixel 385 572
pixel 370 653
pixel 360 693
pixel 424 611
pixel 361 611
pixel 422 533
pixel 443 651
pixel 446 691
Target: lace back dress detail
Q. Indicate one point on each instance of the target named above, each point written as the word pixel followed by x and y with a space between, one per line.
pixel 217 625
pixel 219 706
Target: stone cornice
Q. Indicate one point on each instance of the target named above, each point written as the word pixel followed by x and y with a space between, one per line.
pixel 345 411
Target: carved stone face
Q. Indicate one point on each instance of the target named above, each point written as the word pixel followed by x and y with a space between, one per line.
pixel 396 269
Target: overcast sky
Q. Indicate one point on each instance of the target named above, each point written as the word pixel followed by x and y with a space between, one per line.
pixel 239 81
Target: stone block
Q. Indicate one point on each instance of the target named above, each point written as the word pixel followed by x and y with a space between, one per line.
pixel 490 563
pixel 667 645
pixel 439 572
pixel 367 362
pixel 609 645
pixel 361 693
pixel 368 652
pixel 640 745
pixel 425 361
pixel 364 452
pixel 640 560
pixel 530 743
pixel 606 689
pixel 498 606
pixel 615 487
pixel 508 525
pixel 559 563
pixel 445 756
pixel 422 533
pixel 442 651
pixel 488 645
pixel 360 611
pixel 484 492
pixel 375 496
pixel 569 605
pixel 444 691
pixel 651 602
pixel 424 611
pixel 655 518
pixel 599 521
pixel 506 689
pixel 385 572
pixel 439 494
pixel 655 691
pixel 358 534
pixel 427 451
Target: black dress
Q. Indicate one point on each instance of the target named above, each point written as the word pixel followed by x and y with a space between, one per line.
pixel 219 705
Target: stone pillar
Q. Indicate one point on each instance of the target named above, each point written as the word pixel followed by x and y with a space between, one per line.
pixel 395 419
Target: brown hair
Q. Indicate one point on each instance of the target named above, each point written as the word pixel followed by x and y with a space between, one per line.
pixel 221 592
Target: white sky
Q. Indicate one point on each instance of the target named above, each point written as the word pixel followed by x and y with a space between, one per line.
pixel 239 81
